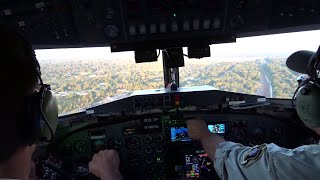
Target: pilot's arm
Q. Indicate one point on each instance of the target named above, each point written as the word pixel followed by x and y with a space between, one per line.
pixel 235 161
pixel 266 161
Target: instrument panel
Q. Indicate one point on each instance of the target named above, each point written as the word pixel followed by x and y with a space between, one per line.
pixel 148 129
pixel 157 146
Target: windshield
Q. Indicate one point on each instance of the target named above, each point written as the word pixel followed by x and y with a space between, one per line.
pixel 85 77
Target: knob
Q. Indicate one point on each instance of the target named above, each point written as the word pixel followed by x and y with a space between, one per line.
pixel 115 143
pixel 132 143
pixel 159 138
pixel 160 159
pixel 159 149
pixel 149 160
pixel 147 139
pixel 148 150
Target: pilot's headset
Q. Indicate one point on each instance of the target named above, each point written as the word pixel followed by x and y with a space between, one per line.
pixel 41 107
pixel 307 95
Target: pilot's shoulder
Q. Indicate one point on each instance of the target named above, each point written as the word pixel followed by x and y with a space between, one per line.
pixel 314 148
pixel 309 154
pixel 300 163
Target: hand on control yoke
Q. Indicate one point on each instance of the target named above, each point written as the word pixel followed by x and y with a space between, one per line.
pixel 105 165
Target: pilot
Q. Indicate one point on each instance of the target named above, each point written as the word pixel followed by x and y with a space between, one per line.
pixel 269 161
pixel 24 101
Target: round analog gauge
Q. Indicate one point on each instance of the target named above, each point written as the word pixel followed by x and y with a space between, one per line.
pixel 115 143
pixel 80 146
pixel 98 145
pixel 132 143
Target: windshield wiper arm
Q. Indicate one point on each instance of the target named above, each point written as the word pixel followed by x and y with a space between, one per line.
pixel 249 105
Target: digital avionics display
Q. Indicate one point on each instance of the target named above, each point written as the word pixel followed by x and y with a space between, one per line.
pixel 179 134
pixel 198 166
pixel 217 128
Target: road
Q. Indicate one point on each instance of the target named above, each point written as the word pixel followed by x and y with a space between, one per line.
pixel 266 87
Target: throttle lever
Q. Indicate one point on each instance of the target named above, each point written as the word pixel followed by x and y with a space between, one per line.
pixel 57 169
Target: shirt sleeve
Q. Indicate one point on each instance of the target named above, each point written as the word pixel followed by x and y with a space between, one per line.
pixel 273 162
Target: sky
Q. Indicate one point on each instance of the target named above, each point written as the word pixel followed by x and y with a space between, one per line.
pixel 279 45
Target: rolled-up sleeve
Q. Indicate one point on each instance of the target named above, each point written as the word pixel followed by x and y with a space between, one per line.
pixel 273 163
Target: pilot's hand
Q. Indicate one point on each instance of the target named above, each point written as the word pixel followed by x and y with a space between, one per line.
pixel 105 165
pixel 198 129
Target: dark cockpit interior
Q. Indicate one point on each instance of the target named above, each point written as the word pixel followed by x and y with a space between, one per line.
pixel 148 127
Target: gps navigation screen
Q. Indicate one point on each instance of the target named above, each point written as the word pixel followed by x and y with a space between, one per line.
pixel 217 128
pixel 179 134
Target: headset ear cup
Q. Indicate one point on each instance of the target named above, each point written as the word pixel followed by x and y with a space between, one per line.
pixel 50 113
pixel 307 105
